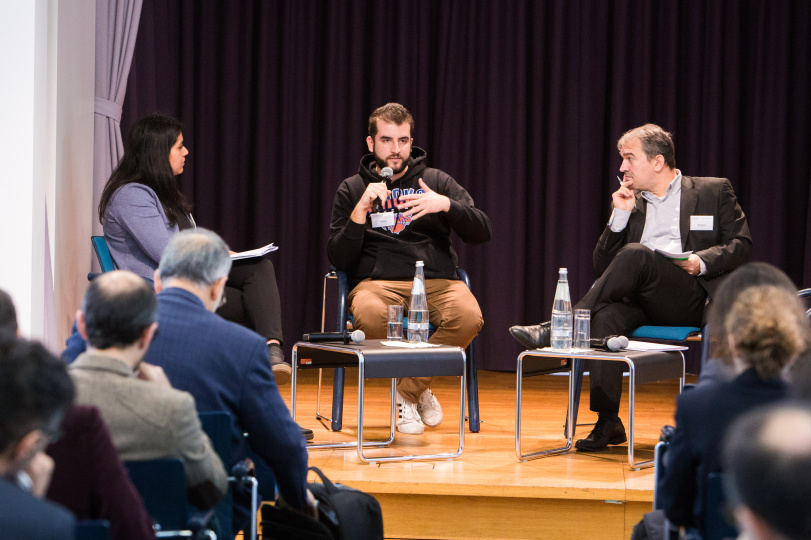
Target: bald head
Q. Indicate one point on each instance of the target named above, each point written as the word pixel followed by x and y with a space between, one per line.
pixel 767 458
pixel 118 307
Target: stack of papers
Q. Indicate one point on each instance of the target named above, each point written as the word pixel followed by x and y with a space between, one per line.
pixel 258 252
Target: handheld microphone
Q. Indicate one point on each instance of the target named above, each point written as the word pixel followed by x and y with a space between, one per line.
pixel 610 343
pixel 347 337
pixel 385 173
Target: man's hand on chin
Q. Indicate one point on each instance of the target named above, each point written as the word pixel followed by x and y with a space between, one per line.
pixel 692 265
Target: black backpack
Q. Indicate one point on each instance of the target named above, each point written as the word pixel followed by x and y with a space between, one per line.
pixel 344 514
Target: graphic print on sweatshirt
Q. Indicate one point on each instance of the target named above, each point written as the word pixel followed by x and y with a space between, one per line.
pixel 401 221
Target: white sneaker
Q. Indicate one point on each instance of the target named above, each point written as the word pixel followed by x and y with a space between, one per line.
pixel 408 419
pixel 429 409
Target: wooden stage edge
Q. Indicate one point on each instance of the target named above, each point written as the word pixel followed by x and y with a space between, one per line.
pixel 487 492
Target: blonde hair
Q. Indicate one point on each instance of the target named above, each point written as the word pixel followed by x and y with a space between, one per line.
pixel 769 328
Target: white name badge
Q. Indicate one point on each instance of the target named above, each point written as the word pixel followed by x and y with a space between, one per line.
pixel 701 223
pixel 383 219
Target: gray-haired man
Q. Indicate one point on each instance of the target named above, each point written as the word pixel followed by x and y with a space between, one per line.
pixel 224 365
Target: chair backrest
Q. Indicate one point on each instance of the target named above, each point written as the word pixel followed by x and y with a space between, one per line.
pixel 217 426
pixel 716 526
pixel 162 485
pixel 658 470
pixel 803 294
pixel 93 529
pixel 103 253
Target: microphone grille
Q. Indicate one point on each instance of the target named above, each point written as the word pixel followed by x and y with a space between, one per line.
pixel 387 172
pixel 623 341
pixel 613 344
pixel 357 336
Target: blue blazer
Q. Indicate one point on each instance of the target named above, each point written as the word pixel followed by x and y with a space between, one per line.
pixel 703 415
pixel 226 368
pixel 25 517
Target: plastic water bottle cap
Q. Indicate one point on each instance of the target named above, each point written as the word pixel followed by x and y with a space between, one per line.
pixel 563 270
pixel 420 263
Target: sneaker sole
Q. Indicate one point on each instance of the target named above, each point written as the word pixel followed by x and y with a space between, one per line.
pixel 429 424
pixel 410 432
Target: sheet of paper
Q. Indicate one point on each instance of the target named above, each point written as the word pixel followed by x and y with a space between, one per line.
pixel 407 345
pixel 675 256
pixel 645 346
pixel 258 252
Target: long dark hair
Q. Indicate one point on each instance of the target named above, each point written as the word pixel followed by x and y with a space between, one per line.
pixel 146 161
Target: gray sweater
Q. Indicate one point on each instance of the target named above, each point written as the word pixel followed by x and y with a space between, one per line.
pixel 136 229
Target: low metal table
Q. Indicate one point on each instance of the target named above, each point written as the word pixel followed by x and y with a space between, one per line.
pixel 377 361
pixel 643 367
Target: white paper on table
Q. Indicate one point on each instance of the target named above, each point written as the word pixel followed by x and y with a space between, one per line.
pixel 258 252
pixel 408 345
pixel 674 256
pixel 645 346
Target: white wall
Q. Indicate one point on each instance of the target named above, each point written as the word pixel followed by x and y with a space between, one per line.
pixel 74 210
pixel 46 148
pixel 23 156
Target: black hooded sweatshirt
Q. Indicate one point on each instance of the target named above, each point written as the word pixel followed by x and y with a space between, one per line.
pixel 391 253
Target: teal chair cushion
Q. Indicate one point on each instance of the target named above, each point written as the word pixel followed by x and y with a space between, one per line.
pixel 672 333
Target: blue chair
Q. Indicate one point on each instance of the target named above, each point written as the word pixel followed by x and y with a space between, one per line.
pixel 162 485
pixel 343 317
pixel 102 255
pixel 217 426
pixel 93 529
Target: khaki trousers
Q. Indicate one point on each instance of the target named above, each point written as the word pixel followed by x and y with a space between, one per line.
pixel 452 308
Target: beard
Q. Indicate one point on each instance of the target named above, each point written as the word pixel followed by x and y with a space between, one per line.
pixel 381 162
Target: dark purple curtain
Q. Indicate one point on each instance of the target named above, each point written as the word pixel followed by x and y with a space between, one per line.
pixel 521 102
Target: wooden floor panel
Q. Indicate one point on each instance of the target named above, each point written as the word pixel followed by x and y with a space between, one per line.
pixel 487 492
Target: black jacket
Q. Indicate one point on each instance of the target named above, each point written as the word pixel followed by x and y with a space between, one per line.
pixel 391 253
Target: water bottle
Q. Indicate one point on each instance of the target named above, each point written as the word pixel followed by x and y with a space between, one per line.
pixel 562 314
pixel 418 309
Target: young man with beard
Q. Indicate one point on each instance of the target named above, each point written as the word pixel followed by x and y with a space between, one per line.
pixel 428 204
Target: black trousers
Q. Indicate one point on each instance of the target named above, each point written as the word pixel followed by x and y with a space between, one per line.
pixel 639 287
pixel 252 297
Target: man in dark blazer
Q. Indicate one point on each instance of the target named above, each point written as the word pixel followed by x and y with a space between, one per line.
pixel 703 233
pixel 224 365
pixel 35 392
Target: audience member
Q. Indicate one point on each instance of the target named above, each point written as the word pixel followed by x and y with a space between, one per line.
pixel 224 365
pixel 767 459
pixel 766 330
pixel 148 419
pixel 35 392
pixel 718 366
pixel 90 480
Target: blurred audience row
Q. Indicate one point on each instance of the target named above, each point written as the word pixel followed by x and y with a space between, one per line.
pixel 757 382
pixel 136 372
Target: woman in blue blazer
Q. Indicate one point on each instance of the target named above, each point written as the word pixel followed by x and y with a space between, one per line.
pixel 142 207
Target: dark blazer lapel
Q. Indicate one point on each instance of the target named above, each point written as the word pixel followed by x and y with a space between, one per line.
pixel 689 200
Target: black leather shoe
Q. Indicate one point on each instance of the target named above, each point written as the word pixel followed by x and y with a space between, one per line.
pixel 306 433
pixel 281 369
pixel 605 432
pixel 533 337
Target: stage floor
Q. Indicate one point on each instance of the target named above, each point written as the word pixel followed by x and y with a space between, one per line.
pixel 487 492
